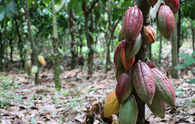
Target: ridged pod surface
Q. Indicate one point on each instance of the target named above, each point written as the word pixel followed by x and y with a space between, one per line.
pixel 173 4
pixel 128 112
pixel 149 34
pixel 111 105
pixel 123 87
pixel 144 82
pixel 132 23
pixel 158 106
pixel 166 21
pixel 164 88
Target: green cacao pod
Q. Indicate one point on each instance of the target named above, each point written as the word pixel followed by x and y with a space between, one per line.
pixel 136 46
pixel 132 23
pixel 123 87
pixel 158 106
pixel 128 111
pixel 166 21
pixel 164 88
pixel 144 82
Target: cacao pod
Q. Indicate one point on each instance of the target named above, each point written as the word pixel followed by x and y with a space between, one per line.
pixel 144 82
pixel 123 87
pixel 164 88
pixel 119 69
pixel 120 57
pixel 118 49
pixel 111 105
pixel 166 21
pixel 41 60
pixel 152 2
pixel 126 63
pixel 149 34
pixel 132 23
pixel 136 46
pixel 173 4
pixel 158 106
pixel 128 111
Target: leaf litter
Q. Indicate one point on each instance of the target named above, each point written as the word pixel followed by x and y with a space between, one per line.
pixel 81 99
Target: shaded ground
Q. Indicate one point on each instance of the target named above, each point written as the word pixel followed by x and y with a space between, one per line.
pixel 80 99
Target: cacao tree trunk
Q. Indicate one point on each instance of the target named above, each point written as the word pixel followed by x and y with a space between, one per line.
pixel 11 49
pixel 72 44
pixel 56 56
pixel 178 32
pixel 2 64
pixel 108 61
pixel 90 40
pixel 150 51
pixel 143 55
pixel 160 49
pixel 174 54
pixel 30 38
pixel 193 38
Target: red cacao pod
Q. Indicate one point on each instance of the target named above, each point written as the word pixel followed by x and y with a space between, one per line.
pixel 149 34
pixel 123 87
pixel 120 56
pixel 152 2
pixel 166 21
pixel 132 23
pixel 128 112
pixel 111 105
pixel 126 63
pixel 118 49
pixel 164 88
pixel 158 106
pixel 144 82
pixel 173 4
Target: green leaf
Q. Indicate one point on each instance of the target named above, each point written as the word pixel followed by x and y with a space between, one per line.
pixel 193 54
pixel 192 81
pixel 11 8
pixel 182 66
pixel 46 2
pixel 59 5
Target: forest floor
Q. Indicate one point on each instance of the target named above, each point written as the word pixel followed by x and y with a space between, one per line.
pixel 21 102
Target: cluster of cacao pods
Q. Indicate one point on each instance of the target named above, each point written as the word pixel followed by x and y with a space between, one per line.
pixel 140 79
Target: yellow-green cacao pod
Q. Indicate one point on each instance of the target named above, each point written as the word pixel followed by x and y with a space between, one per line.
pixel 158 106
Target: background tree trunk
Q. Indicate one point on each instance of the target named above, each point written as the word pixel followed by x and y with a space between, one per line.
pixel 160 49
pixel 90 41
pixel 56 53
pixel 174 54
pixel 193 38
pixel 72 43
pixel 178 33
